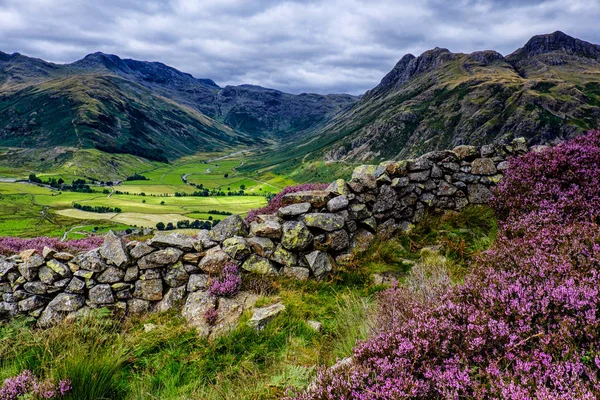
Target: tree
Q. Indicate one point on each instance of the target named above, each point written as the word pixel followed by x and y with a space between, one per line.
pixel 160 226
pixel 162 203
pixel 226 175
pixel 170 226
pixel 243 187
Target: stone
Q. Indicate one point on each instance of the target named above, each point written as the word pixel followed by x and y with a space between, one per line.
pixel 364 178
pixel 29 269
pixel 519 145
pixel 369 223
pixel 175 276
pixel 229 312
pixel 338 187
pixel 178 240
pixel 63 256
pixel 386 199
pixel 38 287
pixel 419 176
pixel 446 189
pixel 140 250
pixel 436 172
pixel 296 236
pixel 259 265
pixel 113 250
pixel 362 240
pixel 503 166
pixel 150 327
pixel 397 168
pixel 85 274
pixel 359 211
pixel 299 273
pixel 48 253
pixel 76 286
pixel 47 275
pixel 483 166
pixel 6 267
pixel 233 225
pixel 294 210
pixel 262 246
pixel 269 229
pixel 214 261
pixel 197 282
pixel 262 316
pixel 192 258
pixel 131 273
pixel 320 263
pixel 196 305
pixel 420 164
pixel 324 221
pixel 479 194
pixel 387 229
pixel 160 258
pixel 137 307
pixel 284 256
pixel 338 240
pixel 237 248
pixel 174 299
pixel 101 294
pixel 91 261
pixel 149 289
pixel 111 275
pixel 400 182
pixel 337 203
pixel 466 152
pixel 60 268
pixel 346 259
pixel 8 310
pixel 314 325
pixel 204 238
pixel 30 303
pixel 67 302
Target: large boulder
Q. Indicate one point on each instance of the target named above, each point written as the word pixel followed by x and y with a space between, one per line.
pixel 324 221
pixel 160 258
pixel 262 246
pixel 338 187
pixel 113 250
pixel 91 261
pixel 204 239
pixel 229 227
pixel 364 178
pixel 296 236
pixel 177 240
pixel 31 265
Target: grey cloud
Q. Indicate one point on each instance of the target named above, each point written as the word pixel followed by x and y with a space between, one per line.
pixel 298 46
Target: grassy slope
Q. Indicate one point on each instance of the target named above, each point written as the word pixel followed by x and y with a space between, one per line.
pixel 170 362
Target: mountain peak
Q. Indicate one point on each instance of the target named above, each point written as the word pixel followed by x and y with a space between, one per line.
pixel 556 42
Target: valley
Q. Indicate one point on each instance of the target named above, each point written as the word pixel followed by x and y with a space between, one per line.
pixel 164 196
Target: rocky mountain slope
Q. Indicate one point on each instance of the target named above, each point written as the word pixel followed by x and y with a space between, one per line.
pixel 144 108
pixel 547 90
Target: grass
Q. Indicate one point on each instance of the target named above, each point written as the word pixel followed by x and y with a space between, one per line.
pixel 172 362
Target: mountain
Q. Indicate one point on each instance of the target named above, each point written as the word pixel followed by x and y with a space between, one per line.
pixel 547 90
pixel 144 108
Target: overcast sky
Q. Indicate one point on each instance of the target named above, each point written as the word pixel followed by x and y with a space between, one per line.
pixel 324 46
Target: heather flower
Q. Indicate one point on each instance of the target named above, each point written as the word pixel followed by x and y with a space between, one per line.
pixel 228 283
pixel 276 202
pixel 210 316
pixel 26 384
pixel 13 245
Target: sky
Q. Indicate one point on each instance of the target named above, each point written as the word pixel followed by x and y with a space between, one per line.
pixel 322 46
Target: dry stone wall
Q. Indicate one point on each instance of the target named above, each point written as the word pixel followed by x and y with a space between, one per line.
pixel 305 239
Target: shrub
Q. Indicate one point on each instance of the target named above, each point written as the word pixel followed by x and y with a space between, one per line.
pixel 228 283
pixel 275 203
pixel 210 316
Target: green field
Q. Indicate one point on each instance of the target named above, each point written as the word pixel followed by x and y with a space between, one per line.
pixel 30 210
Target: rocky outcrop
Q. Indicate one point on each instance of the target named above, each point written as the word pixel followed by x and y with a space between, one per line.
pixel 305 239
